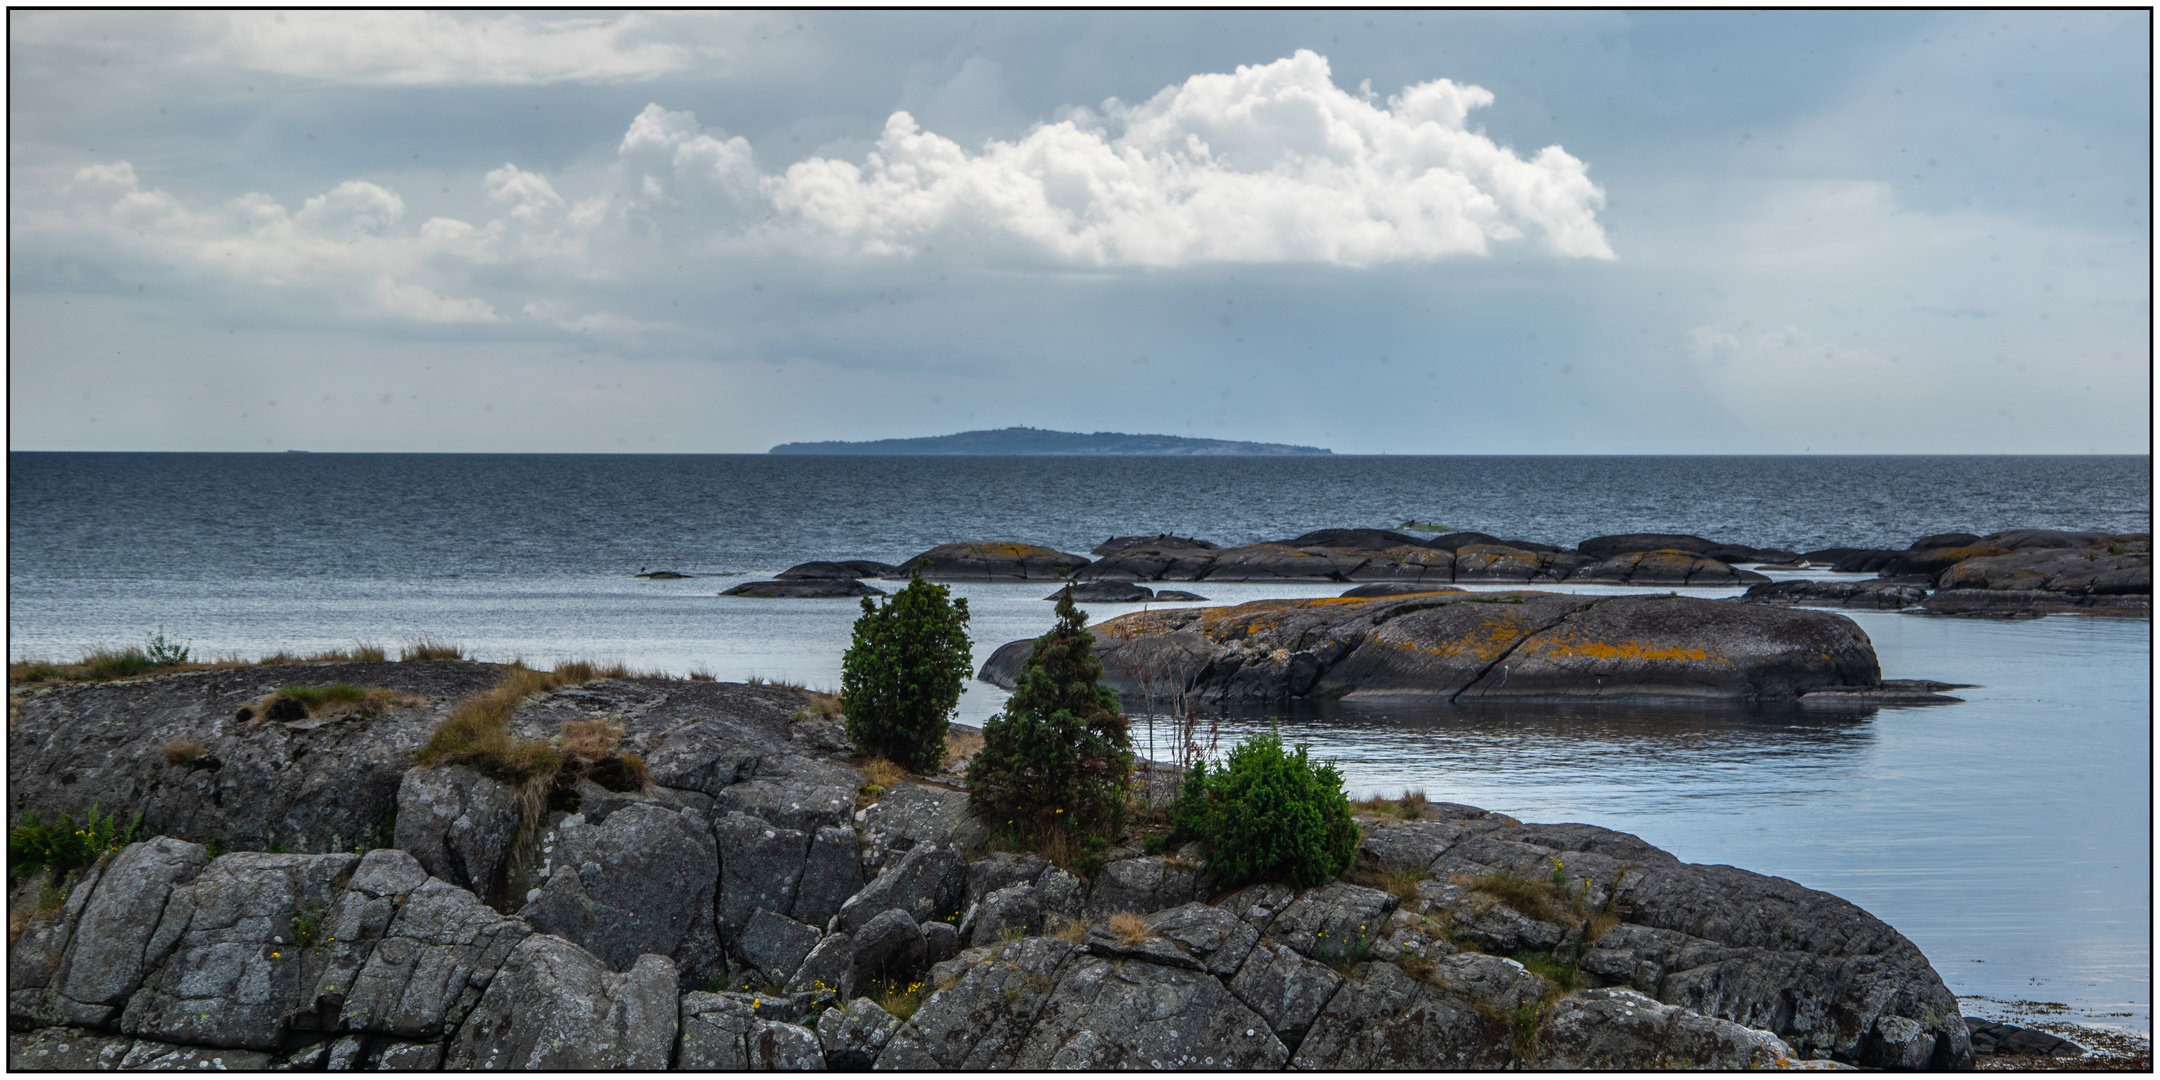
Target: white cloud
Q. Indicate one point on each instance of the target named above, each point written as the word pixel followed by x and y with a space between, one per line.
pixel 412 48
pixel 1272 163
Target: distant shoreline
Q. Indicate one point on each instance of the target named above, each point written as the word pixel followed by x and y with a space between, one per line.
pixel 1025 441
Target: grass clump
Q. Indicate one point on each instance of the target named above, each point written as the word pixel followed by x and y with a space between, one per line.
pixel 1269 813
pixel 476 734
pixel 61 845
pixel 185 751
pixel 897 998
pixel 298 702
pixel 1129 928
pixel 823 705
pixel 1410 807
pixel 161 654
pixel 428 649
pixel 961 748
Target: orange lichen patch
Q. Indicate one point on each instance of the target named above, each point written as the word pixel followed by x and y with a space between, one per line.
pixel 1006 549
pixel 1483 643
pixel 1568 648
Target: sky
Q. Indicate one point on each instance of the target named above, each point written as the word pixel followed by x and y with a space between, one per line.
pixel 1380 232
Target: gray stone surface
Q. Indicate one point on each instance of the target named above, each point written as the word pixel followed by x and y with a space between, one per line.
pixel 556 1006
pixel 1217 940
pixel 459 824
pixel 408 1057
pixel 980 1022
pixel 35 958
pixel 1382 1018
pixel 228 954
pixel 912 814
pixel 1338 921
pixel 115 944
pixel 831 873
pixel 63 1049
pixel 1014 909
pixel 1142 885
pixel 998 870
pixel 148 1056
pixel 1063 896
pixel 940 941
pixel 1106 1014
pixel 434 960
pixel 1286 989
pixel 311 785
pixel 852 1036
pixel 1409 845
pixel 829 967
pixel 721 1033
pixel 889 951
pixel 641 882
pixel 1622 1029
pixel 927 883
pixel 761 867
pixel 777 944
pixel 795 792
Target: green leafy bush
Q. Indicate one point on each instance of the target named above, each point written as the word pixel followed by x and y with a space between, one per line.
pixel 1058 755
pixel 901 678
pixel 1268 813
pixel 63 846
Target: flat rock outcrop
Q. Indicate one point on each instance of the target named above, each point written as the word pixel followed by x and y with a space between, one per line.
pixel 828 571
pixel 804 588
pixel 311 784
pixel 1479 646
pixel 991 560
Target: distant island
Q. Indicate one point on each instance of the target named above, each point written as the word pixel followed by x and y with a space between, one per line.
pixel 1027 440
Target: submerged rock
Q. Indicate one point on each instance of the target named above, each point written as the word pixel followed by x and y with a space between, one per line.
pixel 1107 592
pixel 809 588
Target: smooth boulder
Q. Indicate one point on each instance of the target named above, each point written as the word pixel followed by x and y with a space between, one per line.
pixel 1479 646
pixel 991 560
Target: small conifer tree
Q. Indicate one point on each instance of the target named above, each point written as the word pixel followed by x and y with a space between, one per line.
pixel 902 675
pixel 1057 756
pixel 1269 814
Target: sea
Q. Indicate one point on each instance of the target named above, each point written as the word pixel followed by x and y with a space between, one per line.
pixel 2008 835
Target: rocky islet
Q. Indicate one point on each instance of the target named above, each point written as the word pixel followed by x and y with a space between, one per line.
pixel 740 911
pixel 2010 573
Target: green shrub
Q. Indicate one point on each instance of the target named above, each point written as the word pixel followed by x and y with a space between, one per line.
pixel 901 678
pixel 1267 813
pixel 63 846
pixel 1058 754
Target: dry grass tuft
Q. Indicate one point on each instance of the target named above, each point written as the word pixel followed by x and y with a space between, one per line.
pixel 429 648
pixel 1068 929
pixel 823 705
pixel 883 773
pixel 1129 928
pixel 185 751
pixel 1526 895
pixel 700 674
pixel 959 748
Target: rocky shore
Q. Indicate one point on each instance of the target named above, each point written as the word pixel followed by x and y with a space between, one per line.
pixel 751 907
pixel 2012 573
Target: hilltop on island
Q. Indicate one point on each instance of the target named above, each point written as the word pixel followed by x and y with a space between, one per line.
pixel 1026 440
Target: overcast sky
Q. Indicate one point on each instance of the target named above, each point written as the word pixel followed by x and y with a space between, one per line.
pixel 1400 232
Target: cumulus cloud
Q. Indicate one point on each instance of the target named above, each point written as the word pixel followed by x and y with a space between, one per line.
pixel 1270 163
pixel 415 48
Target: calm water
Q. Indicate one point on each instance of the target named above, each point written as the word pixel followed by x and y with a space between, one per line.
pixel 2009 836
